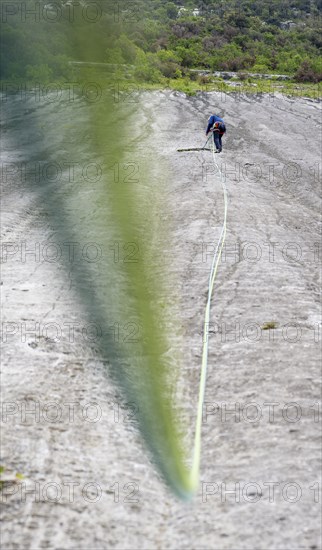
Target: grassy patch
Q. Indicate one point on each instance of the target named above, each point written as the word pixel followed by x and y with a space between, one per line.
pixel 238 87
pixel 103 83
pixel 269 325
pixel 7 477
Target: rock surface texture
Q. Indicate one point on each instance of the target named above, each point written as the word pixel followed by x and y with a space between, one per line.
pixel 88 481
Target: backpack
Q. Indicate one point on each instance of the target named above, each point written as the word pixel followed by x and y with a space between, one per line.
pixel 219 127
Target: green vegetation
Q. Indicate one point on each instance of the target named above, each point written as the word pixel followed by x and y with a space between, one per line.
pixel 7 477
pixel 269 325
pixel 163 41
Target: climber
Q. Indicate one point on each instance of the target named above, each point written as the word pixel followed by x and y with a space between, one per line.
pixel 217 126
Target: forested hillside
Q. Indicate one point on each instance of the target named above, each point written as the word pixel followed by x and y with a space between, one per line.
pixel 163 39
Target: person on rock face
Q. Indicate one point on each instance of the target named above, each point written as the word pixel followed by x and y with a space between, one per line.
pixel 217 126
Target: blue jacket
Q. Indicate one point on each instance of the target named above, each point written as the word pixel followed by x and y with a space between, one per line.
pixel 212 121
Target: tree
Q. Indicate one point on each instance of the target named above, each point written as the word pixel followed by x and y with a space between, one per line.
pixel 171 10
pixel 127 48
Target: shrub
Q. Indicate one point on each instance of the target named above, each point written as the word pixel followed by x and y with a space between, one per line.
pixel 39 73
pixel 204 79
pixel 146 69
pixel 169 69
pixel 307 73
